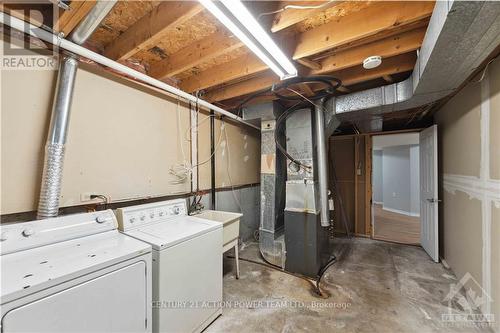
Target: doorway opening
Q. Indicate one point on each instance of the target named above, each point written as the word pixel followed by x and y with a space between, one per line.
pixel 396 188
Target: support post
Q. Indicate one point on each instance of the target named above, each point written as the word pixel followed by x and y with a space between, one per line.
pixel 212 159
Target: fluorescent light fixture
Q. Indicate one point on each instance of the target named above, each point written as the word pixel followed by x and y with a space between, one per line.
pixel 250 32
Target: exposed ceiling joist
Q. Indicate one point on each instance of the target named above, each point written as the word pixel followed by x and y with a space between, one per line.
pixel 215 45
pixel 398 64
pixel 400 15
pixel 309 63
pixel 289 17
pixel 388 78
pixel 148 31
pixel 69 19
pixel 241 67
pixel 386 48
pixel 306 89
pixel 235 69
pixel 382 17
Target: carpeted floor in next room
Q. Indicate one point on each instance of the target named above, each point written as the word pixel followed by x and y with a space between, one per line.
pixel 374 287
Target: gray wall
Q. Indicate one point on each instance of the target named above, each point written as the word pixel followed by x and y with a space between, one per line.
pixel 377 175
pixel 396 175
pixel 248 198
pixel 401 179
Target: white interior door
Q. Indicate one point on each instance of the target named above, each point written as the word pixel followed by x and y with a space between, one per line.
pixel 429 237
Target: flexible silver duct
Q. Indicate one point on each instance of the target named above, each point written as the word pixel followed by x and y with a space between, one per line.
pixel 48 203
pixel 322 166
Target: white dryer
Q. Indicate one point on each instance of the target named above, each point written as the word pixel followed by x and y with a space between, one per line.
pixel 187 263
pixel 74 273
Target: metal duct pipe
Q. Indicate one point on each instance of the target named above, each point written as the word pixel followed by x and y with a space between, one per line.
pixel 460 36
pixel 88 25
pixel 48 203
pixel 322 162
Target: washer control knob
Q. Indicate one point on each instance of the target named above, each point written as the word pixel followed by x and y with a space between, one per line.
pixel 152 214
pixel 28 232
pixel 143 217
pixel 132 219
pixel 161 213
pixel 176 210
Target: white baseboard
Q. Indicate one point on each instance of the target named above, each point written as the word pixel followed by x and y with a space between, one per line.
pixel 403 212
pixel 378 202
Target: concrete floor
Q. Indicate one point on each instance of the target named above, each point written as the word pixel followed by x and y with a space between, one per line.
pixel 374 287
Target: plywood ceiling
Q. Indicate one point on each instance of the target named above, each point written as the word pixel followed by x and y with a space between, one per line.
pixel 179 41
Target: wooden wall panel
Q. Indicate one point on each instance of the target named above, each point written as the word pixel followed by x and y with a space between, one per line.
pixel 348 157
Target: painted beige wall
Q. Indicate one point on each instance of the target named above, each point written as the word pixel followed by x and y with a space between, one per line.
pixel 122 141
pixel 240 151
pixel 494 80
pixel 461 138
pixel 466 213
pixel 495 262
pixel 463 234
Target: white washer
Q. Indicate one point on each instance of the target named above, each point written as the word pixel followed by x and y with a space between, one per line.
pixel 187 263
pixel 74 273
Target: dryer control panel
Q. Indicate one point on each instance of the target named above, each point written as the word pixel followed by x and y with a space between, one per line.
pixel 135 216
pixel 22 236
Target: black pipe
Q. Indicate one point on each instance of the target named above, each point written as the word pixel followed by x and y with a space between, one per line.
pixel 212 160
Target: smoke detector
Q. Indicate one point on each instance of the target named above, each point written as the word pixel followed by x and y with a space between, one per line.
pixel 372 62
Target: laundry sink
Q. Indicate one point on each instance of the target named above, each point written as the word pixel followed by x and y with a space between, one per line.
pixel 231 225
pixel 230 228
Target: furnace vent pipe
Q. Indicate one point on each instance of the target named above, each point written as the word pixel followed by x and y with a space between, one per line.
pixel 322 162
pixel 50 192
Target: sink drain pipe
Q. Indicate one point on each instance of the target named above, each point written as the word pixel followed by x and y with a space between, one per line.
pixel 48 204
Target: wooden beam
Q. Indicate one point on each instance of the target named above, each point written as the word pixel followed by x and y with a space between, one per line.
pixel 368 184
pixel 148 30
pixel 356 182
pixel 388 78
pixel 291 16
pixel 217 44
pixel 398 15
pixel 380 17
pixel 237 68
pixel 386 48
pixel 349 76
pixel 306 89
pixel 69 19
pixel 309 63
